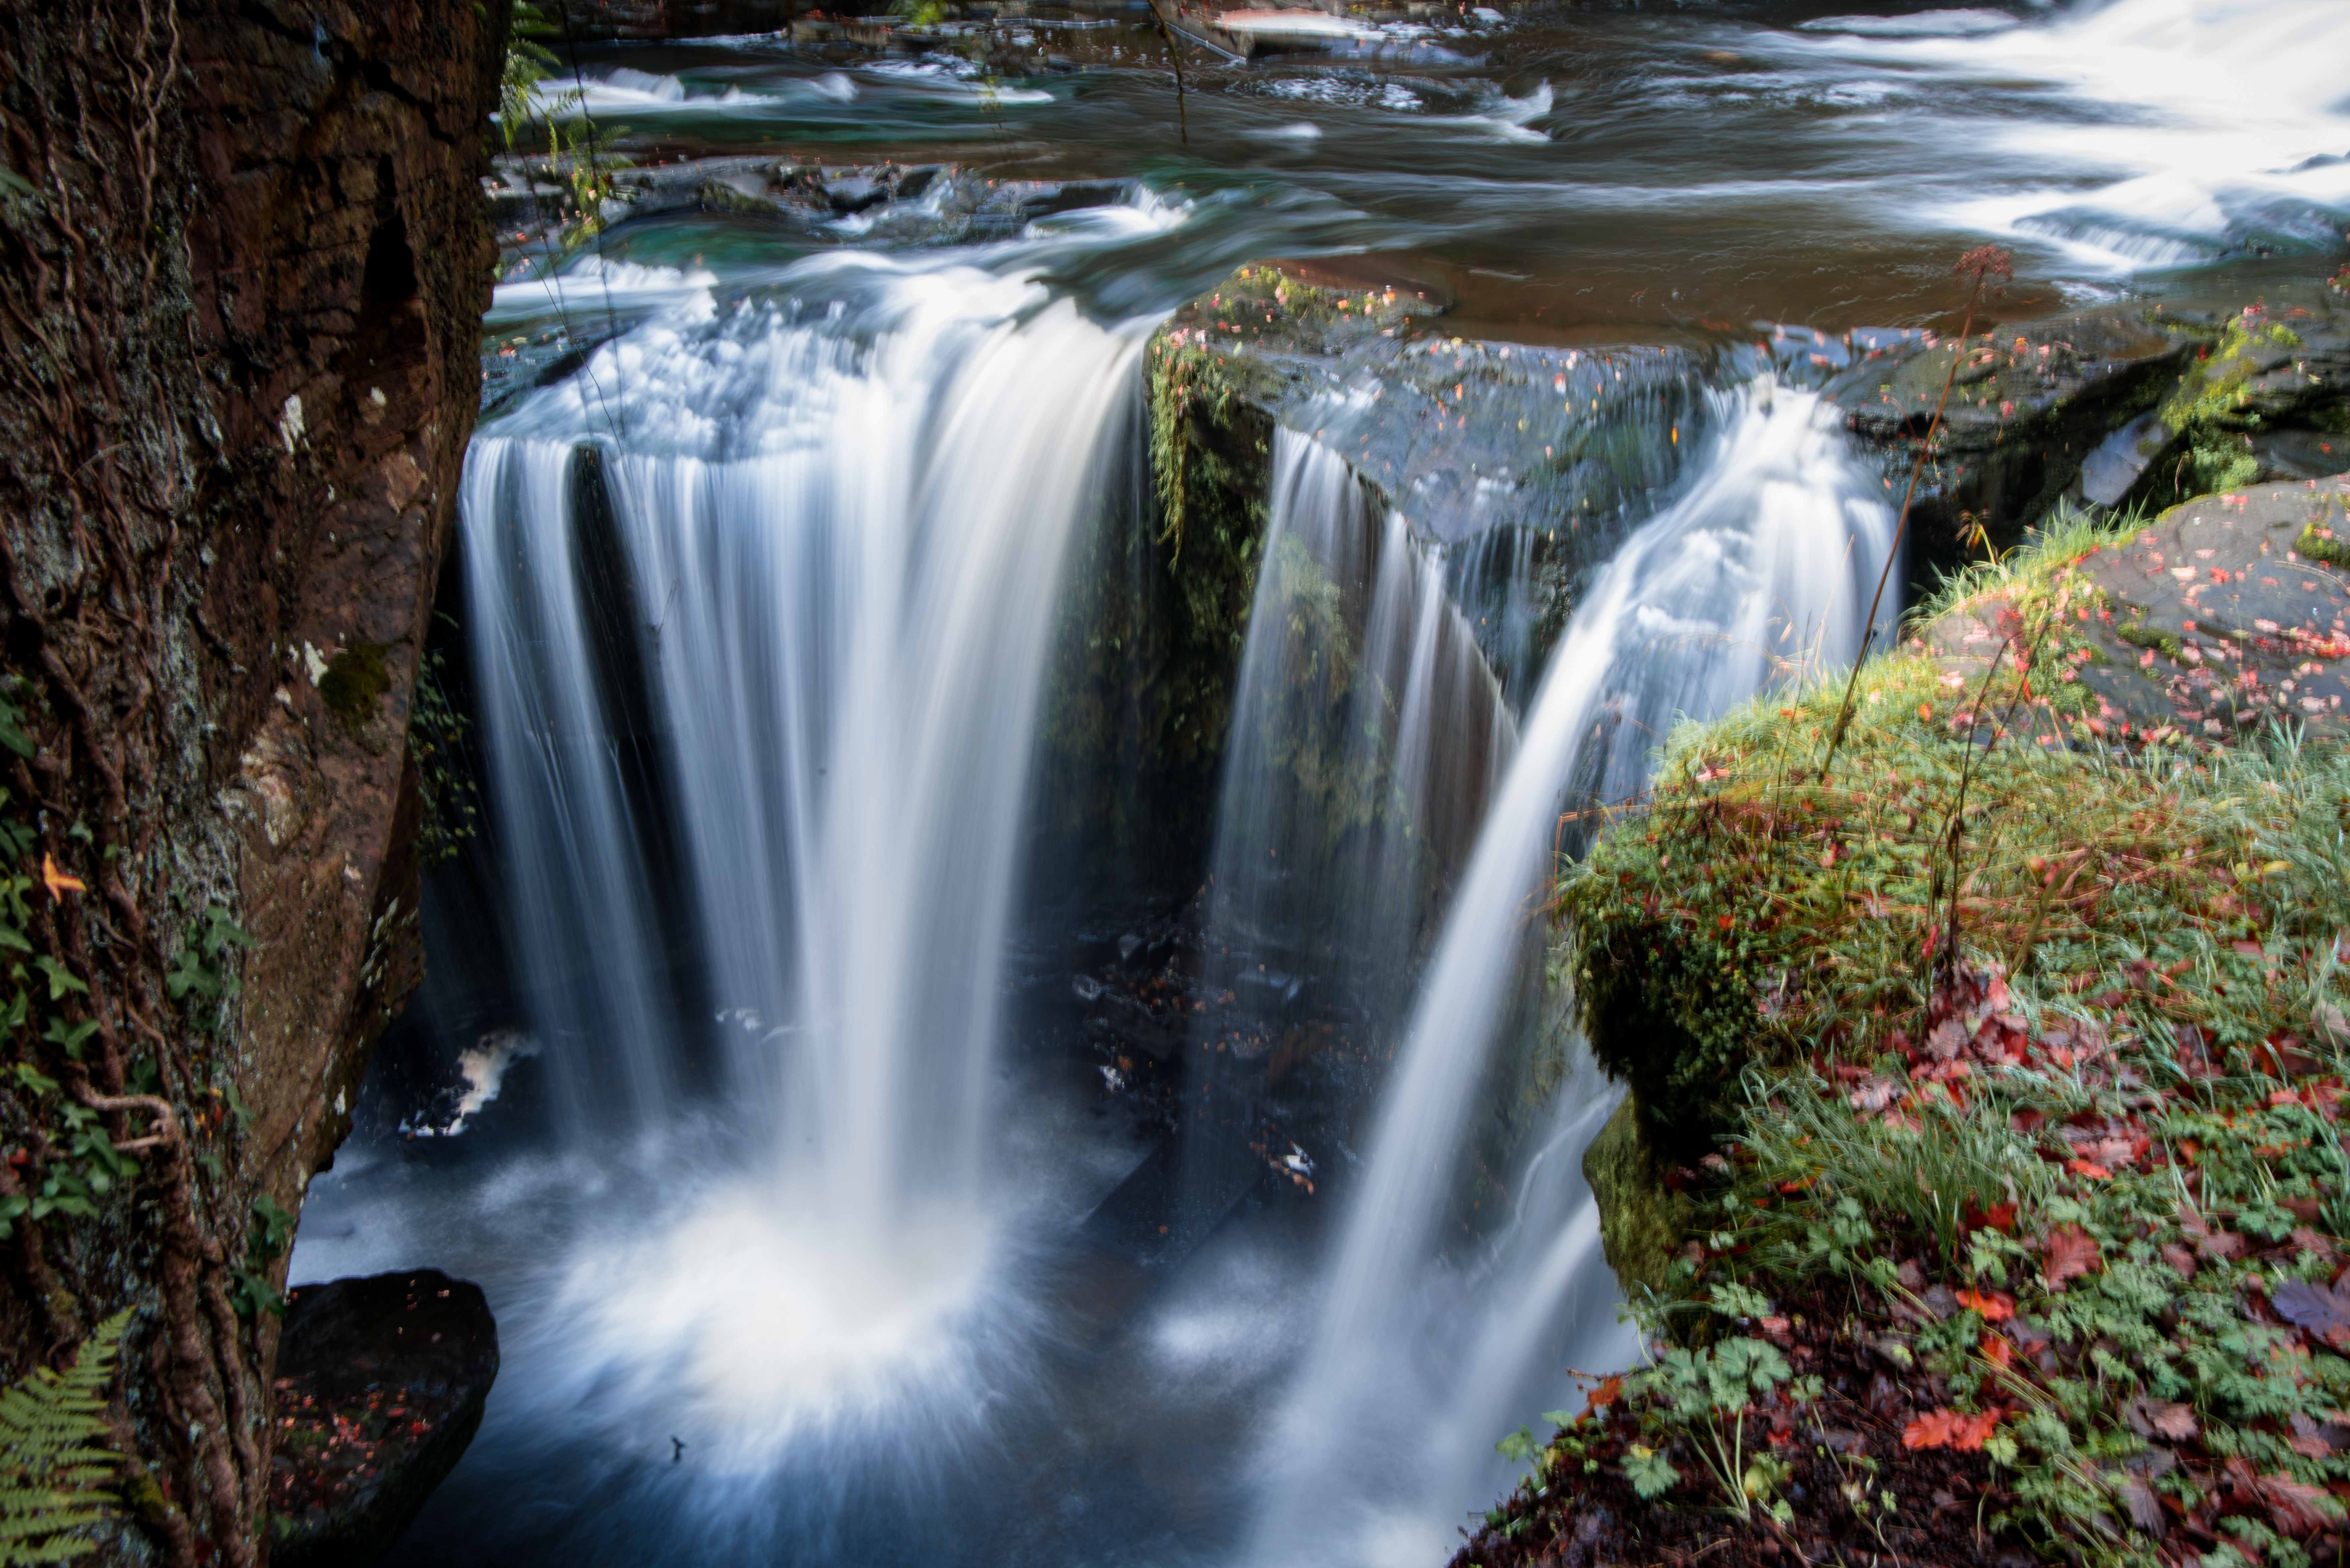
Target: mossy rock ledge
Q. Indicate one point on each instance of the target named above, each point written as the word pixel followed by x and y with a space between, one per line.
pixel 1997 1050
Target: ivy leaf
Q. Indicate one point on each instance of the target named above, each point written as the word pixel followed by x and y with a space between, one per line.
pixel 33 1078
pixel 63 982
pixel 69 1040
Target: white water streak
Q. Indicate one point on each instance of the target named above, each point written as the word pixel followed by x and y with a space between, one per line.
pixel 843 543
pixel 1765 563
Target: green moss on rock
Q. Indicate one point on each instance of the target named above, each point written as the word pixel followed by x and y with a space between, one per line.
pixel 2321 545
pixel 354 683
pixel 1642 1222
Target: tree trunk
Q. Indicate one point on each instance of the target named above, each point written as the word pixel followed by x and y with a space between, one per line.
pixel 243 264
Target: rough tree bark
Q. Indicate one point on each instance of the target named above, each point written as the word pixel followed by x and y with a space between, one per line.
pixel 243 264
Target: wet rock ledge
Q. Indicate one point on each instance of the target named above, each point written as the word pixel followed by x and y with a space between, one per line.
pixel 382 1382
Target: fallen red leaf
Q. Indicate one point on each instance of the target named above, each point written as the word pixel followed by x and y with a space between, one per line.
pixel 2089 1168
pixel 2071 1252
pixel 1995 1306
pixel 2296 1508
pixel 1999 1217
pixel 1950 1430
pixel 1998 1350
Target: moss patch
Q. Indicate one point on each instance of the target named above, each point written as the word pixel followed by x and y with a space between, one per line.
pixel 2322 545
pixel 354 683
pixel 1642 1222
pixel 2214 409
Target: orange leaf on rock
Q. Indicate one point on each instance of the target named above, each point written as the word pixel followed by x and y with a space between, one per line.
pixel 2071 1252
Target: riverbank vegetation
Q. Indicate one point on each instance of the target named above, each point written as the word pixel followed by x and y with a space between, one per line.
pixel 1985 1126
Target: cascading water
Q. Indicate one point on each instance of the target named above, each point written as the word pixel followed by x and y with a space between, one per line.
pixel 2197 161
pixel 1763 568
pixel 840 538
pixel 1367 733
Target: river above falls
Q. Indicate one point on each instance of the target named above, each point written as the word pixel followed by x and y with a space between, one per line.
pixel 821 1224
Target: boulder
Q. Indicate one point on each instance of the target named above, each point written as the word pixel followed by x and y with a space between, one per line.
pixel 2222 616
pixel 2031 409
pixel 381 1383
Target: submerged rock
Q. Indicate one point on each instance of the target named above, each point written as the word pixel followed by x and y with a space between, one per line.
pixel 382 1382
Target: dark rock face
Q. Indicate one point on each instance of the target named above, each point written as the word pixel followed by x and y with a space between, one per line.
pixel 2116 407
pixel 239 314
pixel 2028 406
pixel 381 1383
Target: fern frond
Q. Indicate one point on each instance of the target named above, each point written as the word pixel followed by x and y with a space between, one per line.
pixel 55 1450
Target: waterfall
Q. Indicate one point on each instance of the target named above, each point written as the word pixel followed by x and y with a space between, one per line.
pixel 1366 732
pixel 834 535
pixel 1760 569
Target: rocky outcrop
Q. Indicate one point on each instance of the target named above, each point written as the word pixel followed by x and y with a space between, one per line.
pixel 2028 406
pixel 239 309
pixel 2118 407
pixel 380 1386
pixel 2221 618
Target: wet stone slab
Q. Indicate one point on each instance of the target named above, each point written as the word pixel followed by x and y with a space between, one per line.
pixel 382 1383
pixel 2229 613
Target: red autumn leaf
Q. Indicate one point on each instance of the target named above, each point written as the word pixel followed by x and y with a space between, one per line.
pixel 1610 1391
pixel 1998 1350
pixel 2295 1507
pixel 1950 1430
pixel 1995 1306
pixel 2071 1252
pixel 2089 1168
pixel 1999 1217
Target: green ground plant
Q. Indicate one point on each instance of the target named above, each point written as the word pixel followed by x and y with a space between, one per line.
pixel 55 1454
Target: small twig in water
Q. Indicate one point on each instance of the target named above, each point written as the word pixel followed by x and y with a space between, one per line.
pixel 1175 53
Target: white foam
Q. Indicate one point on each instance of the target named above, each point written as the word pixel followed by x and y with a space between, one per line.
pixel 746 1321
pixel 593 283
pixel 1918 25
pixel 1508 119
pixel 2203 117
pixel 483 1067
